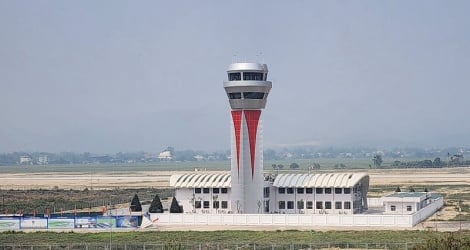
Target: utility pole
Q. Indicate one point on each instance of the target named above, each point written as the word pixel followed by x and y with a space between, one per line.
pixel 110 225
pixel 460 218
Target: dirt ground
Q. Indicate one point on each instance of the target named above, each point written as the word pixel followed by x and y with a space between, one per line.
pixel 155 179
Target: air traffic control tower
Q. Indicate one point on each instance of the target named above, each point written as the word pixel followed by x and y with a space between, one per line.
pixel 247 90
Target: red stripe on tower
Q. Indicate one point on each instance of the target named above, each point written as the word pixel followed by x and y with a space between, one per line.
pixel 237 121
pixel 252 118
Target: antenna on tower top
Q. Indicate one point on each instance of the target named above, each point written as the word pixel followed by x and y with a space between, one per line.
pixel 235 58
pixel 259 57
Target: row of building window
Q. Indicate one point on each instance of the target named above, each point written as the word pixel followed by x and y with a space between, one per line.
pixel 207 190
pixel 247 76
pixel 215 204
pixel 317 190
pixel 281 190
pixel 318 205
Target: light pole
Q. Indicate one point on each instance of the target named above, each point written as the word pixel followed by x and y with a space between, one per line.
pixel 460 218
pixel 110 224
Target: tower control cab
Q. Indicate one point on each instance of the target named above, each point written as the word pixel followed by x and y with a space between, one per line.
pixel 247 86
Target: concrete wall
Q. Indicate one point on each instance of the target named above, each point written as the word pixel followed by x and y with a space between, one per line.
pixel 335 220
pixel 403 221
pixel 375 202
pixel 427 211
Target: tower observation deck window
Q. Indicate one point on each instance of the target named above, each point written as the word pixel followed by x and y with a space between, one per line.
pixel 252 76
pixel 235 76
pixel 253 95
pixel 236 95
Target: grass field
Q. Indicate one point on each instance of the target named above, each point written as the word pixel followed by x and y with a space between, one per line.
pixel 230 237
pixel 57 200
pixel 325 163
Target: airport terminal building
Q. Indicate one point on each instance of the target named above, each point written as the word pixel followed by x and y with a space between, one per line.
pixel 336 193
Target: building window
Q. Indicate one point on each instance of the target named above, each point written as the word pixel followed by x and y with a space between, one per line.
pixel 224 204
pixel 215 190
pixel 338 205
pixel 319 190
pixel 290 205
pixel 327 190
pixel 266 192
pixel 347 205
pixel 224 190
pixel 205 190
pixel 253 95
pixel 282 205
pixel 300 190
pixel 300 204
pixel 215 204
pixel 347 190
pixel 197 204
pixel 309 204
pixel 197 190
pixel 309 190
pixel 290 190
pixel 327 204
pixel 408 208
pixel 393 208
pixel 236 95
pixel 206 204
pixel 338 190
pixel 282 190
pixel 319 205
pixel 234 76
pixel 252 76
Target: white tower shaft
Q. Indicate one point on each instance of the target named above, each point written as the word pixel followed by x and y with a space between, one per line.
pixel 247 161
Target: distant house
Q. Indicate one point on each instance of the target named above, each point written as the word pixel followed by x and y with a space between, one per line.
pixel 43 160
pixel 26 160
pixel 199 157
pixel 165 155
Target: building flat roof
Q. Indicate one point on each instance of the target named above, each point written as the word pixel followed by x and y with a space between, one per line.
pixel 406 194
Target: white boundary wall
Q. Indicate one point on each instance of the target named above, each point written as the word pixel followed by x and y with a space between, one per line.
pixel 428 210
pixel 284 220
pixel 334 220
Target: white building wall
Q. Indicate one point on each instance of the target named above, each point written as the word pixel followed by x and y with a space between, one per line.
pixel 313 197
pixel 187 198
pixel 395 204
pixel 375 202
pixel 404 207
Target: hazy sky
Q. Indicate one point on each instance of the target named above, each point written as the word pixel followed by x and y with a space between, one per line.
pixel 109 76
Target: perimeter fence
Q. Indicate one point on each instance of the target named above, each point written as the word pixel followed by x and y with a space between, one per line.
pixel 214 246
